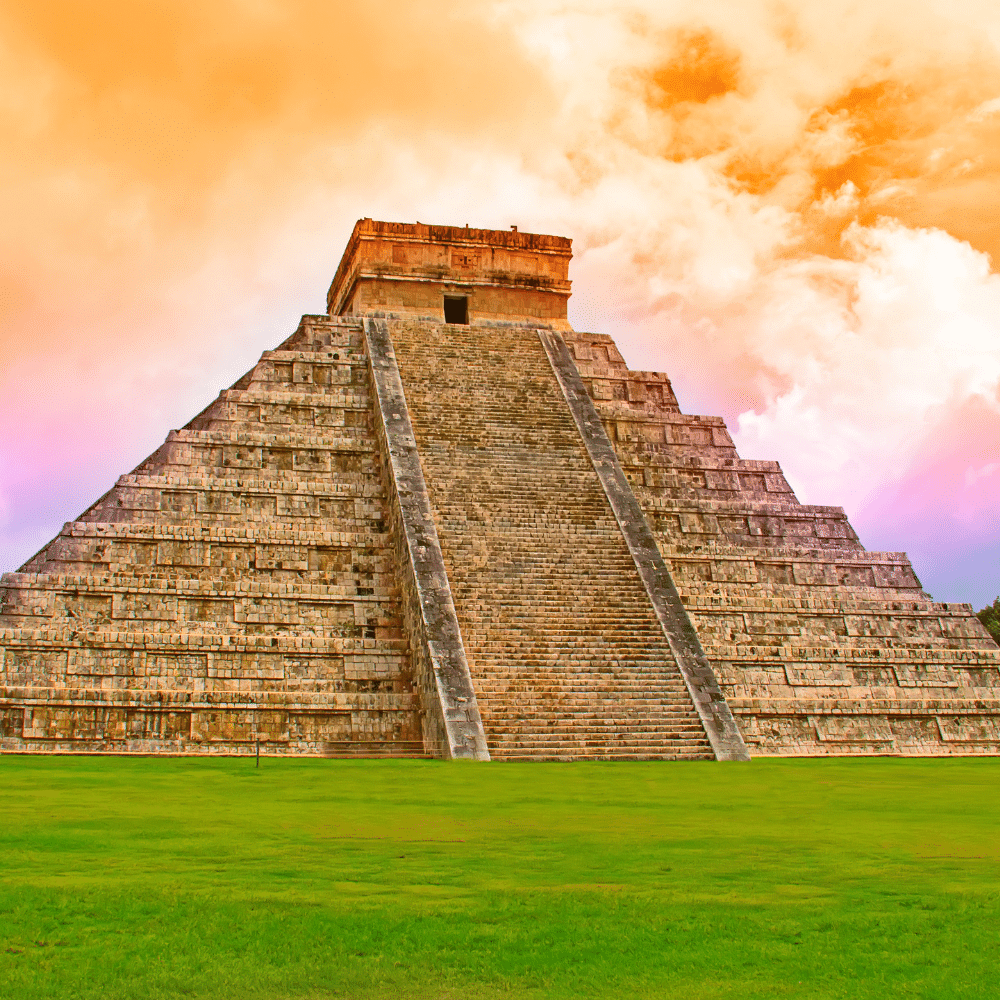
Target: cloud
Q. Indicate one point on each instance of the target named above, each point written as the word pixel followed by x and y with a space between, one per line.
pixel 785 209
pixel 784 206
pixel 872 371
pixel 146 138
pixel 974 474
pixel 179 183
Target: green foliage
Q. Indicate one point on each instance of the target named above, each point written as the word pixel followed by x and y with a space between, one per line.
pixel 990 617
pixel 148 879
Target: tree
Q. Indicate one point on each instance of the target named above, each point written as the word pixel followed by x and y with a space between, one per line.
pixel 990 617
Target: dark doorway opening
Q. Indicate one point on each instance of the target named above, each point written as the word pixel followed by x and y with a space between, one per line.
pixel 456 309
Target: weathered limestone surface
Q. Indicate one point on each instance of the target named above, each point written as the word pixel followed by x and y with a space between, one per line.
pixel 820 646
pixel 238 585
pixel 400 268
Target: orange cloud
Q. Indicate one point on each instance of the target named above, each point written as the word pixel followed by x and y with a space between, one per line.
pixel 173 93
pixel 767 200
pixel 906 133
pixel 699 66
pixel 173 171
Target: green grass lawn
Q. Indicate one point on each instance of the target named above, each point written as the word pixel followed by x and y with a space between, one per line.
pixel 136 878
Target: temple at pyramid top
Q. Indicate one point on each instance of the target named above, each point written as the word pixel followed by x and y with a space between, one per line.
pixel 459 275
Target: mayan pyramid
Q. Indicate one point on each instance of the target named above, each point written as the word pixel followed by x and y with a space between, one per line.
pixel 439 521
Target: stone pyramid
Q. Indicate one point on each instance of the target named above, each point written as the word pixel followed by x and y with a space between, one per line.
pixel 438 521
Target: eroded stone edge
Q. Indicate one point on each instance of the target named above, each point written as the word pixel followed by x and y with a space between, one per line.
pixel 452 724
pixel 714 711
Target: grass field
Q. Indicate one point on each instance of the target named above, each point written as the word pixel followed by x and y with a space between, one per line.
pixel 149 878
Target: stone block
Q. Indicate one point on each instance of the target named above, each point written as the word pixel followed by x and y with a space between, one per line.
pixel 230 726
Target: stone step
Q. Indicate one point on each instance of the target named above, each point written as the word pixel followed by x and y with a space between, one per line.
pixel 622 692
pixel 583 728
pixel 527 755
pixel 349 749
pixel 856 655
pixel 204 699
pixel 567 736
pixel 270 643
pixel 598 748
pixel 589 698
pixel 216 587
pixel 352 396
pixel 194 531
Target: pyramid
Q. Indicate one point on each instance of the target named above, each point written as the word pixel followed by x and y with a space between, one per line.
pixel 437 521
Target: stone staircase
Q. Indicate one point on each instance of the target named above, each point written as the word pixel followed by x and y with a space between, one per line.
pixel 819 645
pixel 567 657
pixel 237 586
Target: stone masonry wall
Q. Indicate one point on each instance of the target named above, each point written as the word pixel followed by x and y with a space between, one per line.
pixel 237 586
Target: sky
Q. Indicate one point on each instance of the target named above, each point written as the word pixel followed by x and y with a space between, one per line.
pixel 788 207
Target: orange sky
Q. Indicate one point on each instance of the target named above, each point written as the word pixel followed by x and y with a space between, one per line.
pixel 788 207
